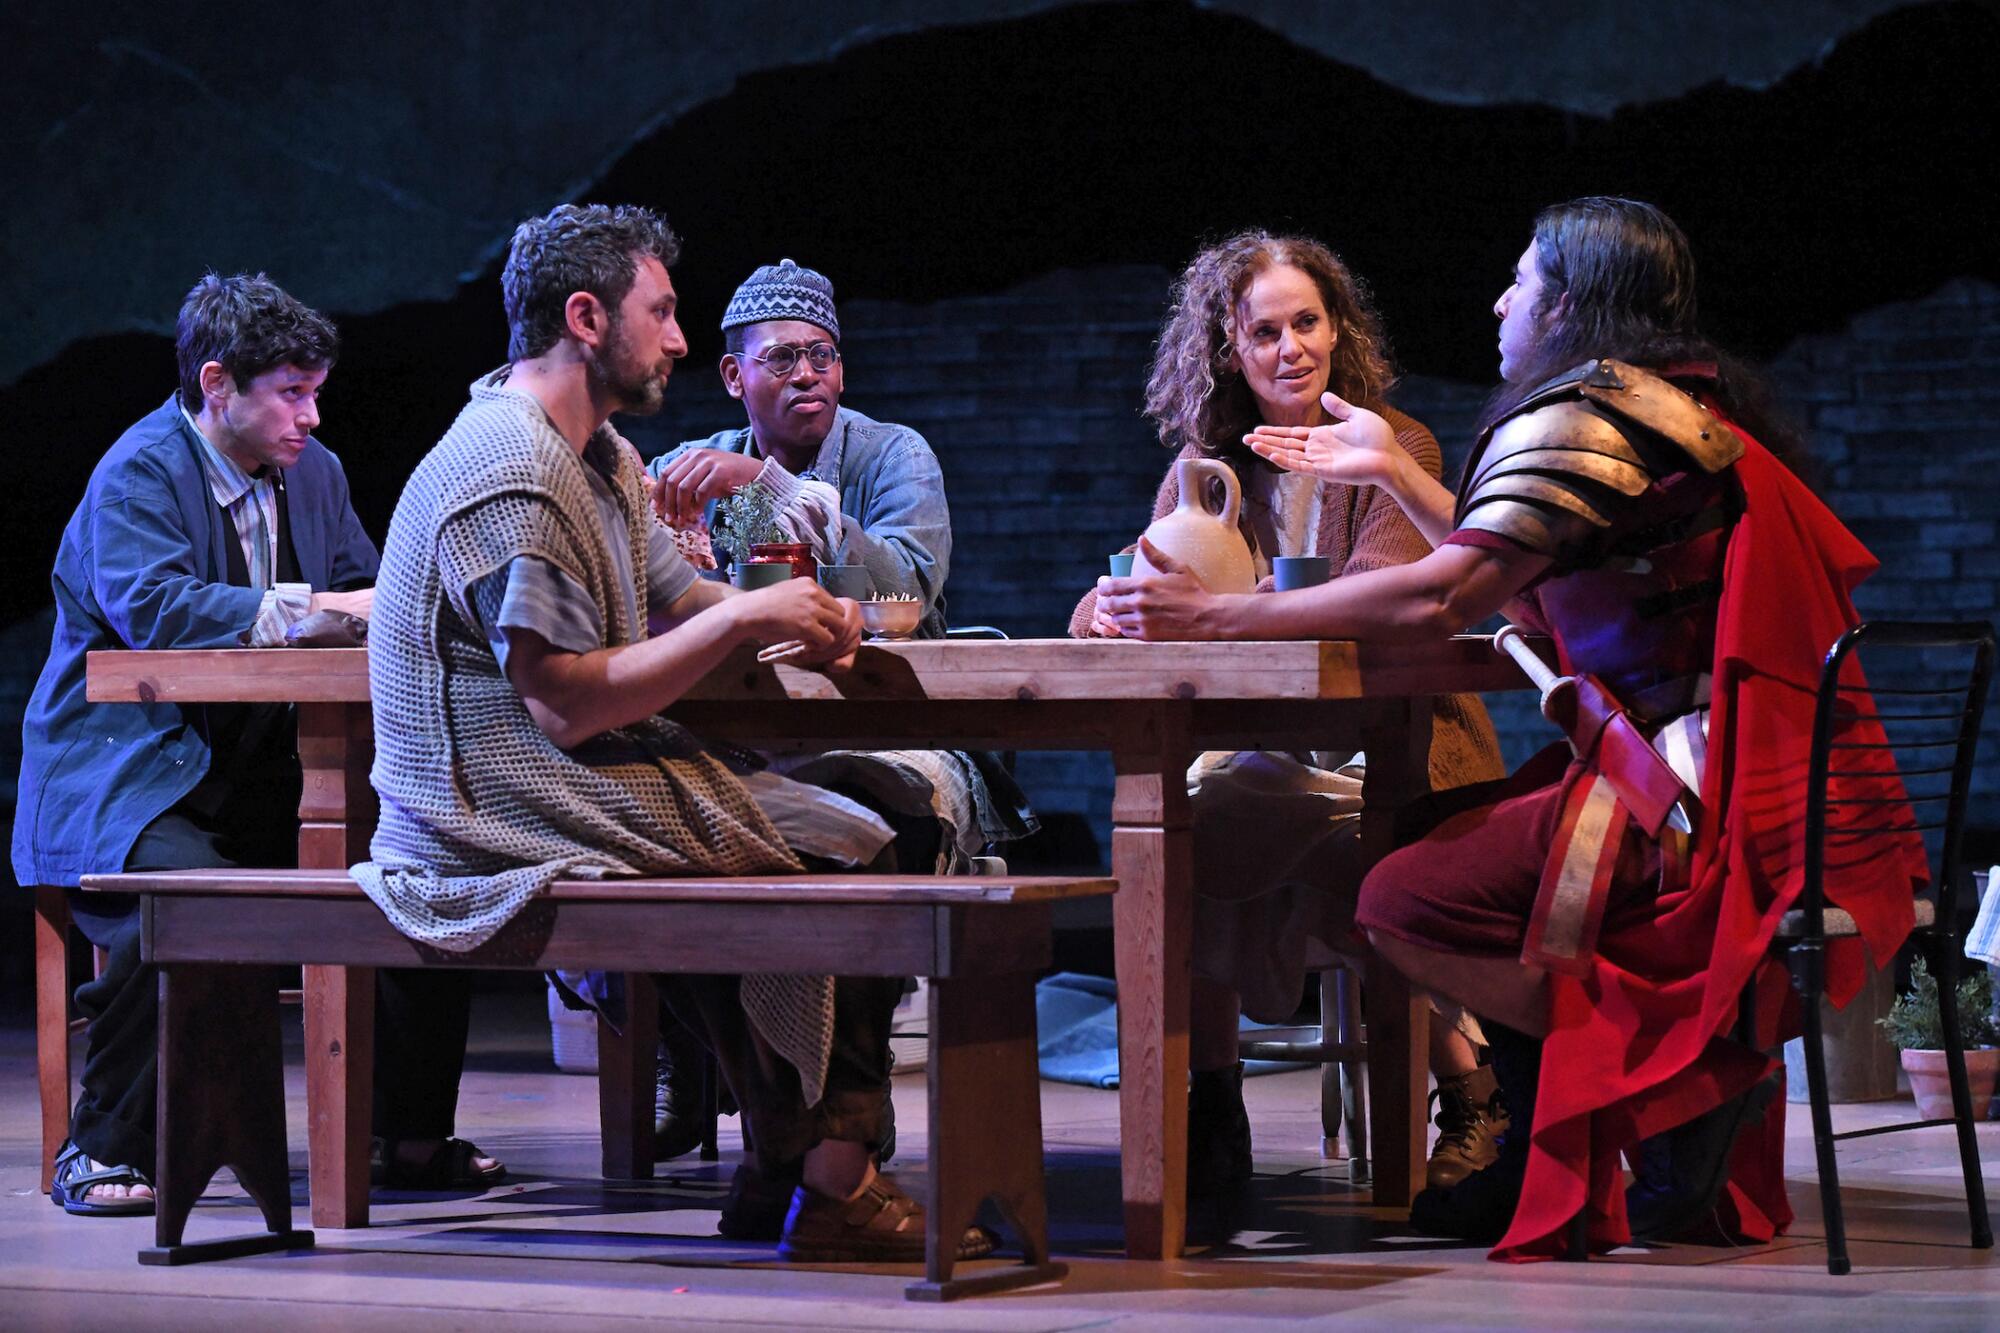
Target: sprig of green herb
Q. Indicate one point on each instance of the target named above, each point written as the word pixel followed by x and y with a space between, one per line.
pixel 745 519
pixel 1914 1024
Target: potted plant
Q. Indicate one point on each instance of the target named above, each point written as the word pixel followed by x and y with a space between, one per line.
pixel 747 529
pixel 1915 1029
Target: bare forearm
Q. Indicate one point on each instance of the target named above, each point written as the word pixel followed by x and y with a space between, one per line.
pixel 701 594
pixel 1422 497
pixel 1386 604
pixel 1453 587
pixel 574 696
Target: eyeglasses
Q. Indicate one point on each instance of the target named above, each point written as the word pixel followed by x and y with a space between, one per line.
pixel 783 359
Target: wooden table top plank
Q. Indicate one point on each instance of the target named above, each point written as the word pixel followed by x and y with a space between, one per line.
pixel 1091 670
pixel 907 890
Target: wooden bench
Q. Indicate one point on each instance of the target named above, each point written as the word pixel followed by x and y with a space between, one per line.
pixel 215 934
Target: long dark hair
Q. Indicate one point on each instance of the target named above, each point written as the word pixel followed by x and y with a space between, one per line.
pixel 1625 273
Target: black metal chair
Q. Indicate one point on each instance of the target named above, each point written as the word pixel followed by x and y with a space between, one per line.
pixel 1932 724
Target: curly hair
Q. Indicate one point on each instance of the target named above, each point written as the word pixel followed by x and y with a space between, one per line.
pixel 1195 397
pixel 250 325
pixel 593 248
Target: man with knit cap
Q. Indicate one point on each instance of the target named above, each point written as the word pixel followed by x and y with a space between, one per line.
pixel 531 623
pixel 862 492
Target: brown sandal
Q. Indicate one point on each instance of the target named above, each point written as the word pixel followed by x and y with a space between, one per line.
pixel 881 1225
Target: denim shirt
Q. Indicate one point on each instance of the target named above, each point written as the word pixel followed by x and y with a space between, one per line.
pixel 893 515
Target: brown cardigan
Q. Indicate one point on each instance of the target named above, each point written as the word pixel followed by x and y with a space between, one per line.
pixel 1363 528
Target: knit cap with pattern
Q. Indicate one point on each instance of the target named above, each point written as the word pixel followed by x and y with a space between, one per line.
pixel 783 291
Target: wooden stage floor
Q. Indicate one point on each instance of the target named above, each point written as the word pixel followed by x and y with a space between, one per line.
pixel 557 1248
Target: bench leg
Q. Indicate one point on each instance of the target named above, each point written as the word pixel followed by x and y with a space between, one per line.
pixel 340 1085
pixel 52 1020
pixel 628 1065
pixel 222 1103
pixel 985 1131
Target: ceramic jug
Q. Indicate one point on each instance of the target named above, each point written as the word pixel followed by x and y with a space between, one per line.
pixel 1209 544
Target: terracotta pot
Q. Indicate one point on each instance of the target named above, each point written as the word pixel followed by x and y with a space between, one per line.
pixel 798 554
pixel 1931 1084
pixel 1208 544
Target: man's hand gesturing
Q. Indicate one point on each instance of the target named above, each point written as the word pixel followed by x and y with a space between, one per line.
pixel 695 478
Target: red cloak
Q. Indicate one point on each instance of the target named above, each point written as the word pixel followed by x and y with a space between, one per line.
pixel 1638 1045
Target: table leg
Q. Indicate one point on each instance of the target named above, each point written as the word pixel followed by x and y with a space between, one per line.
pixel 628 1065
pixel 340 1077
pixel 336 820
pixel 1152 855
pixel 1398 743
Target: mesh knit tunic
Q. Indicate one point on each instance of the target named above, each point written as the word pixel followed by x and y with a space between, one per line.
pixel 480 809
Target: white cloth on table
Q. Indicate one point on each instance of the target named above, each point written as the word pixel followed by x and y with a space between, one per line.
pixel 1983 941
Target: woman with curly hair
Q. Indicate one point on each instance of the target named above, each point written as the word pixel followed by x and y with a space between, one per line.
pixel 1262 326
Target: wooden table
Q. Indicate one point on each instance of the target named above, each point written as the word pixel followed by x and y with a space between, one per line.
pixel 1152 706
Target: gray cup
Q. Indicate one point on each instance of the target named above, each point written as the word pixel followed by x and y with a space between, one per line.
pixel 1293 572
pixel 847 581
pixel 753 575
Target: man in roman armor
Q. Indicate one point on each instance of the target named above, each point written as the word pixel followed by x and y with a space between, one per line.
pixel 1605 907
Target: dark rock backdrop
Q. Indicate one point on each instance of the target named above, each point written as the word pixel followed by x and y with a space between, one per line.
pixel 377 153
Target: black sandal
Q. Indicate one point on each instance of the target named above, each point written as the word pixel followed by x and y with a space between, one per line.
pixel 449 1167
pixel 76 1174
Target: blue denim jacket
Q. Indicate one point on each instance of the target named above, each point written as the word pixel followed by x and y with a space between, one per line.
pixel 894 518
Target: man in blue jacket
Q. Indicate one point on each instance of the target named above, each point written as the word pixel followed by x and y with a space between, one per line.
pixel 216 521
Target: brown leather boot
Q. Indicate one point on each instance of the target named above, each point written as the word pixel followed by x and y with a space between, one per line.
pixel 1470 1119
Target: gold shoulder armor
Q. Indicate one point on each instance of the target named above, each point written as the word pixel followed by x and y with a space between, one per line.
pixel 1552 477
pixel 1564 437
pixel 1544 530
pixel 1643 398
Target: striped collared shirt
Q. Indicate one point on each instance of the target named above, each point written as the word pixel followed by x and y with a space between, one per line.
pixel 252 505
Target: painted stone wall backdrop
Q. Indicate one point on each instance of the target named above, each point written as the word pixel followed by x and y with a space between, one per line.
pixel 1031 400
pixel 1900 410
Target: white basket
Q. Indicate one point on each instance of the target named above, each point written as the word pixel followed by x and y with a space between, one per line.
pixel 573 1034
pixel 913 1016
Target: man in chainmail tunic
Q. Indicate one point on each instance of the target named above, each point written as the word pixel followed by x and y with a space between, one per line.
pixel 531 621
pixel 1603 909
